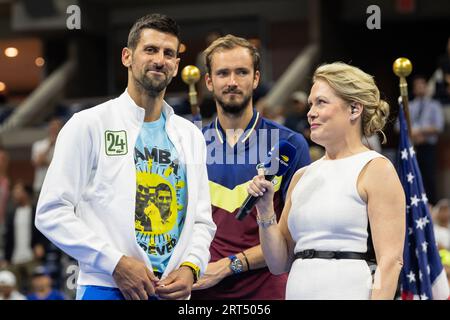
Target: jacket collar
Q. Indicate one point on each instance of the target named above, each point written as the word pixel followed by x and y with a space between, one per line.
pixel 252 125
pixel 138 113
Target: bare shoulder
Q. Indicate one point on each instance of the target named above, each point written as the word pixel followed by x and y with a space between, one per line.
pixel 380 167
pixel 380 176
pixel 295 178
pixel 298 174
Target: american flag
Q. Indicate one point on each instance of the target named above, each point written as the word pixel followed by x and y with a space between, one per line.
pixel 422 276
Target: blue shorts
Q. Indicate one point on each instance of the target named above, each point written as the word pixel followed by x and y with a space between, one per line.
pixel 101 293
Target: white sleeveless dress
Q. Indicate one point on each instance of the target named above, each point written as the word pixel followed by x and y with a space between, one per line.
pixel 327 214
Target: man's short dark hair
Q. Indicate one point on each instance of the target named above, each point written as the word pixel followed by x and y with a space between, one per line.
pixel 40 271
pixel 26 187
pixel 419 77
pixel 156 21
pixel 162 187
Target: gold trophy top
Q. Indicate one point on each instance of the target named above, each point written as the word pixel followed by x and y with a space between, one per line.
pixel 190 74
pixel 402 67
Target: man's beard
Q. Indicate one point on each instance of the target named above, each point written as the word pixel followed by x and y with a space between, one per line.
pixel 153 87
pixel 164 211
pixel 234 108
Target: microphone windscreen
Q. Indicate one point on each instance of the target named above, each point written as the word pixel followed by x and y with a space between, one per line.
pixel 281 157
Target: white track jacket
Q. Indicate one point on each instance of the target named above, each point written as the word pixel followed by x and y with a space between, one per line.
pixel 87 203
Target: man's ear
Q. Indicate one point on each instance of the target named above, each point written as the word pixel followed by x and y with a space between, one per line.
pixel 127 57
pixel 256 79
pixel 208 82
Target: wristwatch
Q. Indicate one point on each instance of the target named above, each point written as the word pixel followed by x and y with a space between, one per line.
pixel 236 264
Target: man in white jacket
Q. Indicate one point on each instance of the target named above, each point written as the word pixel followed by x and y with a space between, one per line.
pixel 99 202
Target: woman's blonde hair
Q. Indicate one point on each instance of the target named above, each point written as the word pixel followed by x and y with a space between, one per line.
pixel 354 85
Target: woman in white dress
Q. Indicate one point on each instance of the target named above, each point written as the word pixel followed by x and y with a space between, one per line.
pixel 321 238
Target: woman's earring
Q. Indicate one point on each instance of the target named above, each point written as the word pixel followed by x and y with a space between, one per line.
pixel 354 110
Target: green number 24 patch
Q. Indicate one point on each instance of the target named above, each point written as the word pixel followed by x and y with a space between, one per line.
pixel 116 143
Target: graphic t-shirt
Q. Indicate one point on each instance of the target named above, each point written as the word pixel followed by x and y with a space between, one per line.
pixel 160 194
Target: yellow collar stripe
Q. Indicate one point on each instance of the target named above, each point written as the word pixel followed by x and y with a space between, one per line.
pixel 253 128
pixel 246 137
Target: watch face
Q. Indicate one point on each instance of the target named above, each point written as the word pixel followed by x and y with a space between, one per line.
pixel 237 266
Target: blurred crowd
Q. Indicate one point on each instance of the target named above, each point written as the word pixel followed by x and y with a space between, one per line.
pixel 31 267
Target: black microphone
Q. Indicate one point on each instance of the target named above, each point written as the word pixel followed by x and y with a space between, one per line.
pixel 281 156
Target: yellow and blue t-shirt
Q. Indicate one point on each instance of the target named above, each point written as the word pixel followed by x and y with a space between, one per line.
pixel 161 194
